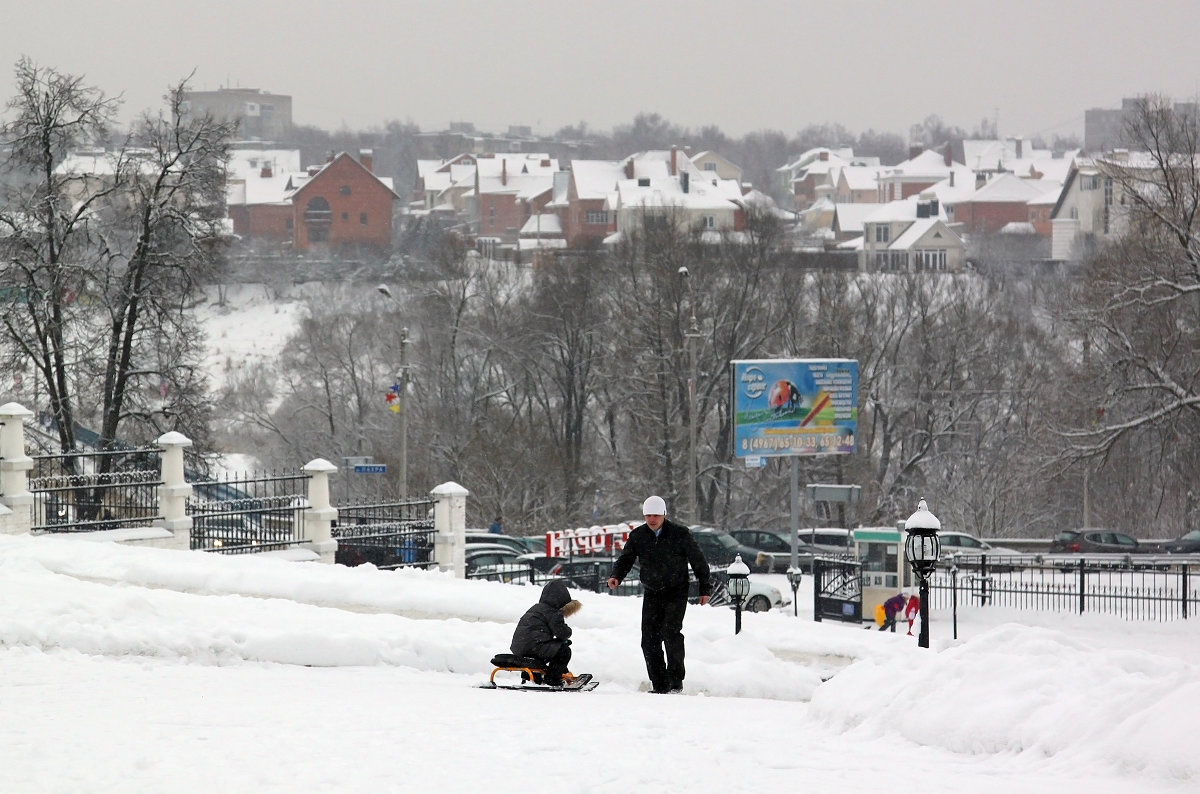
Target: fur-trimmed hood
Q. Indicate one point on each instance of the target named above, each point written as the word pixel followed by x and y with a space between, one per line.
pixel 571 607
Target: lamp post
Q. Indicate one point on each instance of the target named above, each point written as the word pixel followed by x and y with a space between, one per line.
pixel 922 548
pixel 691 340
pixel 402 397
pixel 793 575
pixel 739 588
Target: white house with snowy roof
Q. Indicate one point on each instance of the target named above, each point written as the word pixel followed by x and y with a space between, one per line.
pixel 666 187
pixel 1092 206
pixel 911 235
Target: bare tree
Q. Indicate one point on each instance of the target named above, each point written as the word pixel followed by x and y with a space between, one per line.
pixel 109 254
pixel 1137 320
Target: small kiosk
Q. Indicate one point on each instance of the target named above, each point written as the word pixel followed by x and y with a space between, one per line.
pixel 884 572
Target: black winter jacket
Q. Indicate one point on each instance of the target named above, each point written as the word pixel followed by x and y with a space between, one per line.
pixel 664 560
pixel 541 630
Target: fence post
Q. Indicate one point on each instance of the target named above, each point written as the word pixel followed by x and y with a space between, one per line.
pixel 174 491
pixel 449 525
pixel 320 515
pixel 16 502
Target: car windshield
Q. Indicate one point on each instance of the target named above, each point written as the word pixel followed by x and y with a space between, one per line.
pixel 728 541
pixel 1193 535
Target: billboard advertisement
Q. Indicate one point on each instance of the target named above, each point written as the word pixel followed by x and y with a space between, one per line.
pixel 800 406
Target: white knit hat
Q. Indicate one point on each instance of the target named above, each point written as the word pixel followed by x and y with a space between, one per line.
pixel 654 506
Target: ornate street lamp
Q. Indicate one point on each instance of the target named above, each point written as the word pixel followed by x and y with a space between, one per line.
pixel 922 548
pixel 739 588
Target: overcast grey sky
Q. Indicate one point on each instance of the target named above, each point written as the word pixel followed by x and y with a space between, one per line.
pixel 741 65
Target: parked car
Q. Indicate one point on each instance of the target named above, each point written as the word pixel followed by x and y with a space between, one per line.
pixel 1188 543
pixel 474 537
pixel 720 548
pixel 967 545
pixel 1095 541
pixel 828 540
pixel 778 544
pixel 495 562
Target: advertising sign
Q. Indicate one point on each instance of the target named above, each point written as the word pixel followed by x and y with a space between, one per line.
pixel 607 540
pixel 804 406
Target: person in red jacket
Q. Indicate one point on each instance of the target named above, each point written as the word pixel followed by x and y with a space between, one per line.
pixel 911 610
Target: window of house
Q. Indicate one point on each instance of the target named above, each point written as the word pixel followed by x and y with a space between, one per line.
pixel 708 222
pixel 596 217
pixel 882 232
pixel 362 218
pixel 655 221
pixel 881 260
pixel 344 190
pixel 710 166
pixel 492 214
pixel 345 216
pixel 1089 182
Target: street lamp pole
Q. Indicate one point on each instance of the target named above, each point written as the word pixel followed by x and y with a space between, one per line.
pixel 691 344
pixel 402 397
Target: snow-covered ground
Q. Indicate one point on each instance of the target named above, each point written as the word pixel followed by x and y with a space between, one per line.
pixel 140 670
pixel 247 331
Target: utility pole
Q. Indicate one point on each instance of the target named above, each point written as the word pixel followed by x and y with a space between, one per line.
pixel 402 397
pixel 691 341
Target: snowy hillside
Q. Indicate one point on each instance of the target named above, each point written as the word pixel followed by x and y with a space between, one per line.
pixel 127 669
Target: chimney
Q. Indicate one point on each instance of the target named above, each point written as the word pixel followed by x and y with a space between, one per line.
pixel 266 171
pixel 504 171
pixel 367 158
pixel 946 157
pixel 674 154
pixel 914 151
pixel 629 168
pixel 683 181
pixel 824 156
pixel 951 177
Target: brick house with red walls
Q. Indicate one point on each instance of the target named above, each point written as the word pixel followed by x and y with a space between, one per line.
pixel 342 204
pixel 509 190
pixel 586 219
pixel 1003 200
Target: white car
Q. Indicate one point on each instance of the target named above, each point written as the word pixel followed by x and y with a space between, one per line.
pixel 963 543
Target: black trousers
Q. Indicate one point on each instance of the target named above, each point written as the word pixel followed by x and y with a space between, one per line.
pixel 662 637
pixel 557 664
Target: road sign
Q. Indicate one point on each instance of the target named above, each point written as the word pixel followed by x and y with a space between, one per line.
pixel 370 468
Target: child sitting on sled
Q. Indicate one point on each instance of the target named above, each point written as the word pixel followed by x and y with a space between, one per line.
pixel 543 632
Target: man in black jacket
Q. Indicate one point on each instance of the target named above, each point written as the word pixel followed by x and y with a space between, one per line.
pixel 664 550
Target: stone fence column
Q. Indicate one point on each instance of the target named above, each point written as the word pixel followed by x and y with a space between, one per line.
pixel 320 515
pixel 16 502
pixel 449 525
pixel 175 490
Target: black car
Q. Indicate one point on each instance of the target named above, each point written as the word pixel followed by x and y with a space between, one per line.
pixel 1186 544
pixel 778 544
pixel 1095 541
pixel 720 548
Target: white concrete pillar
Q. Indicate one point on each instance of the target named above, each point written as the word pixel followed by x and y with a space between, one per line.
pixel 449 525
pixel 14 470
pixel 175 490
pixel 320 514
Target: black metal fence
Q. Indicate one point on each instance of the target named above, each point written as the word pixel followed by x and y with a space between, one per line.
pixel 248 514
pixel 90 491
pixel 385 534
pixel 1134 588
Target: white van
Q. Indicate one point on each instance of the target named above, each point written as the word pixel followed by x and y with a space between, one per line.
pixel 828 539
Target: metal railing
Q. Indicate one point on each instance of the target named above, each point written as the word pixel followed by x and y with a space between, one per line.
pixel 91 491
pixel 385 534
pixel 1143 587
pixel 248 514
